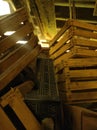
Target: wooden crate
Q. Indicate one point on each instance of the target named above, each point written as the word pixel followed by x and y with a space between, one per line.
pixel 68 24
pixel 76 39
pixel 14 57
pixel 74 52
pixel 14 100
pixel 78 80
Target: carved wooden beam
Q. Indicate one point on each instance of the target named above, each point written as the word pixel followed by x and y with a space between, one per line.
pixel 47 16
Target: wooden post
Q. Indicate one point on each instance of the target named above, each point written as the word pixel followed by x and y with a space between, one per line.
pixel 67 83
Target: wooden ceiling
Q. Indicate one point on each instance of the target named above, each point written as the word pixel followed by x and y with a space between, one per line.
pixel 48 16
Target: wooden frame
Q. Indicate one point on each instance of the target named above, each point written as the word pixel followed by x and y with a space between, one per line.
pixel 14 99
pixel 13 21
pixel 78 81
pixel 15 57
pixel 16 68
pixel 10 41
pixel 76 38
pixel 74 23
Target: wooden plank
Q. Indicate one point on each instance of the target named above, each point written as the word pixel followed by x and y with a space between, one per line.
pixel 62 50
pixel 79 51
pixel 13 19
pixel 89 73
pixel 79 24
pixel 62 42
pixel 18 35
pixel 84 33
pixel 76 51
pixel 84 96
pixel 80 102
pixel 73 42
pixel 24 114
pixel 85 42
pixel 81 62
pixel 15 100
pixel 84 85
pixel 8 97
pixel 15 68
pixel 5 123
pixel 84 25
pixel 68 99
pixel 58 35
pixel 63 57
pixel 78 85
pixel 77 62
pixel 6 62
pixel 73 52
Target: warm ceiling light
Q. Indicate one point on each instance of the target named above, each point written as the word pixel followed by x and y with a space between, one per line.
pixel 43 40
pixel 4 8
pixel 22 22
pixel 45 45
pixel 93 39
pixel 68 41
pixel 21 42
pixel 67 51
pixel 8 33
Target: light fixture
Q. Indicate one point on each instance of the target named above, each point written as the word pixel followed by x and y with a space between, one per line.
pixel 44 43
pixel 68 41
pixel 93 39
pixel 21 42
pixel 22 22
pixel 8 33
pixel 67 51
